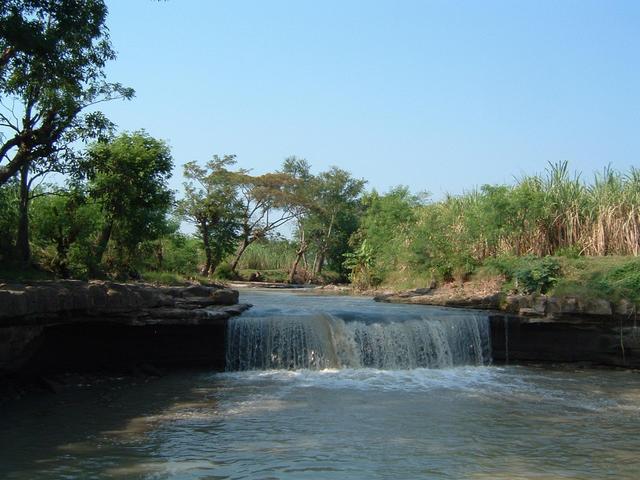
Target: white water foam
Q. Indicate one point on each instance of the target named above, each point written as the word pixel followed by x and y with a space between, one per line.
pixel 324 341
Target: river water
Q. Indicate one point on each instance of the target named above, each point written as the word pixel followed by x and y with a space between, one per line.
pixel 337 388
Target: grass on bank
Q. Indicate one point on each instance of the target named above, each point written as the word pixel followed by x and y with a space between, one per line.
pixel 611 278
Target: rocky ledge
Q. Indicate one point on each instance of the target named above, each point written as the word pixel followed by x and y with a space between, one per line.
pixel 541 328
pixel 79 326
pixel 487 296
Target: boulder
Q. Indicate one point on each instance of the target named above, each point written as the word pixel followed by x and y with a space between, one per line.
pixel 596 307
pixel 225 296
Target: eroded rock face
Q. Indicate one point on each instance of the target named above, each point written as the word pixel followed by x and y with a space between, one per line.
pixel 107 320
pixel 48 302
pixel 588 340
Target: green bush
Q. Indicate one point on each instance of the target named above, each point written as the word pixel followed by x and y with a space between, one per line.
pixel 620 282
pixel 537 277
pixel 528 274
pixel 225 272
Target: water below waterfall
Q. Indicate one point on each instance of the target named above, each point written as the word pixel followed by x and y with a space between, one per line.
pixel 337 388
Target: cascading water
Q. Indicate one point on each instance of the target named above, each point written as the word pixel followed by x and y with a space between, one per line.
pixel 323 340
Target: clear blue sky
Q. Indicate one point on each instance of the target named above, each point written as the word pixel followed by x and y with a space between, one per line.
pixel 437 95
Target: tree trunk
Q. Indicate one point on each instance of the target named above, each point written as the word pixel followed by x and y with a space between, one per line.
pixel 103 241
pixel 204 233
pixel 299 253
pixel 24 249
pixel 320 263
pixel 294 267
pixel 62 262
pixel 324 247
pixel 243 246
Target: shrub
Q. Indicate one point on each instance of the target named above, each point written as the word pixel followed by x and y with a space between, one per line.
pixel 225 272
pixel 538 276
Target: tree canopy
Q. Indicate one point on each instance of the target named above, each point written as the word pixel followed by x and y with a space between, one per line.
pixel 53 55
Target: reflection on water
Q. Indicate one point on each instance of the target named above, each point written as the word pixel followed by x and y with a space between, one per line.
pixel 474 422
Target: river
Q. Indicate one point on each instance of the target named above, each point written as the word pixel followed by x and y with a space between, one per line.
pixel 337 388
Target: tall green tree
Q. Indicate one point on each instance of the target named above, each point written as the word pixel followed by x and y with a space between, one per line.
pixel 378 244
pixel 211 203
pixel 128 177
pixel 266 206
pixel 334 217
pixel 52 59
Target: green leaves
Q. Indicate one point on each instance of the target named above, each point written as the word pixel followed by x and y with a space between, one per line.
pixel 52 59
pixel 128 178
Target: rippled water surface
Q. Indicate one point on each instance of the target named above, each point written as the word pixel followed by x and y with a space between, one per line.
pixel 466 421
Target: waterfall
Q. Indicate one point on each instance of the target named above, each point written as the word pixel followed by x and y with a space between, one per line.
pixel 320 340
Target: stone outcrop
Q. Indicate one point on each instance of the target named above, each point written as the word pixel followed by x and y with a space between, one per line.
pixel 46 303
pixel 74 325
pixel 522 305
pixel 485 297
pixel 541 328
pixel 584 339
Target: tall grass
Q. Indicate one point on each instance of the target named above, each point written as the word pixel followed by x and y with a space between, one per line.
pixel 545 214
pixel 272 254
pixel 556 212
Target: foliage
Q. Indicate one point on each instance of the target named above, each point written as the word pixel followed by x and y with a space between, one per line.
pixel 612 277
pixel 211 203
pixel 53 55
pixel 128 177
pixel 274 253
pixel 63 229
pixel 360 265
pixel 267 204
pixel 384 227
pixel 174 252
pixel 333 218
pixel 9 199
pixel 225 272
pixel 528 274
pixel 552 214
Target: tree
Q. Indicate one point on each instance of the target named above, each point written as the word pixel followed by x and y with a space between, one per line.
pixel 51 69
pixel 52 59
pixel 266 206
pixel 128 177
pixel 379 242
pixel 302 191
pixel 334 216
pixel 66 221
pixel 211 203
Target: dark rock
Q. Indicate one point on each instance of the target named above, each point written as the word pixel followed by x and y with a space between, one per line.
pixel 596 307
pixel 197 291
pixel 422 291
pixel 50 385
pixel 225 296
pixel 625 308
pixel 150 370
pixel 256 277
pixel 71 325
pixel 581 340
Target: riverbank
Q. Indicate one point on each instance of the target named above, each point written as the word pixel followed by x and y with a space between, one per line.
pixel 490 295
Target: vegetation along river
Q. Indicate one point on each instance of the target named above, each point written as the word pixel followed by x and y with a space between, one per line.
pixel 341 388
